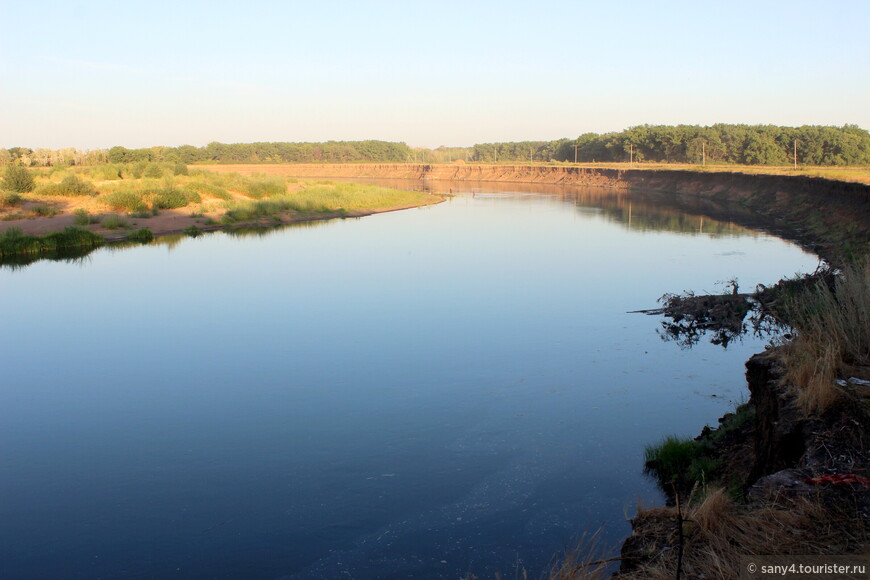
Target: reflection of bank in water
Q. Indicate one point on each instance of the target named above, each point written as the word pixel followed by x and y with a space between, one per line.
pixel 728 316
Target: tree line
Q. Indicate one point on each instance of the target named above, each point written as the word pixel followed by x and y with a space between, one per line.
pixel 693 144
pixel 721 143
pixel 328 152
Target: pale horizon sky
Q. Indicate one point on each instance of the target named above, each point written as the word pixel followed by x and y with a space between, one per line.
pixel 97 74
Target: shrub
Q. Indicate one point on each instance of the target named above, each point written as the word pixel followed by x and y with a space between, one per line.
pixel 192 231
pixel 171 198
pixel 109 171
pixel 179 169
pixel 69 186
pixel 153 170
pixel 113 222
pixel 125 199
pixel 18 179
pixel 138 168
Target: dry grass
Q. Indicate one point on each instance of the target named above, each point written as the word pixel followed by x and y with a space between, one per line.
pixel 586 561
pixel 718 532
pixel 833 337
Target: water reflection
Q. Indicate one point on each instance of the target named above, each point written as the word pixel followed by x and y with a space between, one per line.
pixel 724 319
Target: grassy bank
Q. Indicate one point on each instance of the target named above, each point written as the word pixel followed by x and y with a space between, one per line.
pixel 38 208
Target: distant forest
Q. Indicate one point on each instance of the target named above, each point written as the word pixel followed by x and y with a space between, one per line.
pixel 735 144
pixel 746 144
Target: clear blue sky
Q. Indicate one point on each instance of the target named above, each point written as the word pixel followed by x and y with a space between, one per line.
pixel 96 74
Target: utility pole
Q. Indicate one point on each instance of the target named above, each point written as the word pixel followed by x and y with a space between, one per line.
pixel 704 153
pixel 575 154
pixel 530 155
pixel 631 153
pixel 795 154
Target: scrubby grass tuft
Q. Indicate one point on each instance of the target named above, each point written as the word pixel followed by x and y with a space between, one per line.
pixel 83 218
pixel 44 211
pixel 171 197
pixel 113 222
pixel 832 325
pixel 265 187
pixel 679 460
pixel 70 186
pixel 125 199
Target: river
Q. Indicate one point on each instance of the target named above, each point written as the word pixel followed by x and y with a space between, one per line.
pixel 426 393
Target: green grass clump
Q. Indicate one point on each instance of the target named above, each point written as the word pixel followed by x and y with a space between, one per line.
pixel 670 459
pixel 125 199
pixel 192 231
pixel 70 186
pixel 13 242
pixel 113 222
pixel 141 235
pixel 17 179
pixel 9 198
pixel 172 198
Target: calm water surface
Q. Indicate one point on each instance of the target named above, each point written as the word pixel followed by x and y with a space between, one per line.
pixel 416 394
